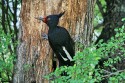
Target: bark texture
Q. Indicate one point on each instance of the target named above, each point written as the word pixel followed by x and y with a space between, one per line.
pixel 34 55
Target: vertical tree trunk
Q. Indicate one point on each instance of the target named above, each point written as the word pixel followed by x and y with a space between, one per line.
pixel 34 55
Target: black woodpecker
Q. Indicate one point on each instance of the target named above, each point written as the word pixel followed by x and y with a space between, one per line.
pixel 59 39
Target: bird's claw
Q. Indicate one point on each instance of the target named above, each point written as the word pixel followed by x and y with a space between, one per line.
pixel 44 36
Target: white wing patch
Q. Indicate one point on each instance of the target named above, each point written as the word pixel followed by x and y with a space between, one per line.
pixel 67 53
pixel 65 59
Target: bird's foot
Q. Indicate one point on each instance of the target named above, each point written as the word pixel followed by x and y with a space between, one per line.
pixel 44 36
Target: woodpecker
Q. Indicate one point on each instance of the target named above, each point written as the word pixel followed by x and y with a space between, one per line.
pixel 59 39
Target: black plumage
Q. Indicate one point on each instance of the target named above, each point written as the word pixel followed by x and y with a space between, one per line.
pixel 60 40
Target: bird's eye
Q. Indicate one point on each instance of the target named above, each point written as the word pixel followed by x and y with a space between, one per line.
pixel 48 18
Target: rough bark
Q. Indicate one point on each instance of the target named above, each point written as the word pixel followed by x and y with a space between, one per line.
pixel 34 55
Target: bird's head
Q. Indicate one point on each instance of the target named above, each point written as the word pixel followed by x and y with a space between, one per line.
pixel 51 20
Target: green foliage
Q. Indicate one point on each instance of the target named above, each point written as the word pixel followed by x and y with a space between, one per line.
pixel 86 70
pixel 9 12
pixel 6 57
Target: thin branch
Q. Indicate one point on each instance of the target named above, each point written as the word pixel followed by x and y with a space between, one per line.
pixel 106 71
pixel 15 18
pixel 112 73
pixel 3 17
pixel 98 26
pixel 102 24
pixel 8 21
pixel 100 8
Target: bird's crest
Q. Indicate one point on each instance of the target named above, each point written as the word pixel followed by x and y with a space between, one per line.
pixel 61 14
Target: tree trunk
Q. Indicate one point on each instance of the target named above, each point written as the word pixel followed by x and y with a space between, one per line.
pixel 34 55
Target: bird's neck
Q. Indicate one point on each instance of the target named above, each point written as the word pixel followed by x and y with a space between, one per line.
pixel 51 28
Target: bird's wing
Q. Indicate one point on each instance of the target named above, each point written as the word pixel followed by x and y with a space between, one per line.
pixel 62 44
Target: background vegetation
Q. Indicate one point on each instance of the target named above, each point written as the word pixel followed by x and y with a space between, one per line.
pixel 9 24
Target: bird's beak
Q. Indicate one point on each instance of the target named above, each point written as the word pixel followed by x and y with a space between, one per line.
pixel 41 19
